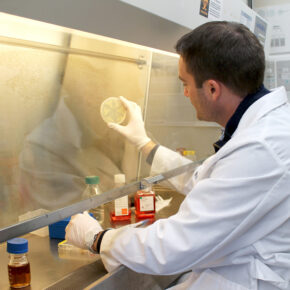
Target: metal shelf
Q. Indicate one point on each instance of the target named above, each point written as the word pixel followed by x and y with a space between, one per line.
pixel 183 124
pixel 67 50
pixel 27 226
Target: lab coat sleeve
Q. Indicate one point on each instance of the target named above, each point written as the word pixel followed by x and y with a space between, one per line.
pixel 165 160
pixel 220 215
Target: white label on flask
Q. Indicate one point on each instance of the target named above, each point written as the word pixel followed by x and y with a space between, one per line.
pixel 146 203
pixel 121 206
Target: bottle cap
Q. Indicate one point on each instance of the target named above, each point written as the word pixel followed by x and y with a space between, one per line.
pixel 119 178
pixel 92 180
pixel 17 246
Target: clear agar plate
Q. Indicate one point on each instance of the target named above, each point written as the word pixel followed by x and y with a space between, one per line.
pixel 113 111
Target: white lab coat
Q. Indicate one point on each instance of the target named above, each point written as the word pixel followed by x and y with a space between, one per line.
pixel 233 228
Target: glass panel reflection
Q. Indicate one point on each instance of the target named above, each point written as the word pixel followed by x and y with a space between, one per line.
pixel 170 117
pixel 51 128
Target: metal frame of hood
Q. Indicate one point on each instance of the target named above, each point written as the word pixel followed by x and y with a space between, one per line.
pixel 27 226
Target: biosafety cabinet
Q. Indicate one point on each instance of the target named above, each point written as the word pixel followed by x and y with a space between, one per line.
pixel 53 81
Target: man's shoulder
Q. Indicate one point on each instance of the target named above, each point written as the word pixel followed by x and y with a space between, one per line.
pixel 268 138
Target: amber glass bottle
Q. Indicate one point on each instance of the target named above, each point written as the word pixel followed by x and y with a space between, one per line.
pixel 18 265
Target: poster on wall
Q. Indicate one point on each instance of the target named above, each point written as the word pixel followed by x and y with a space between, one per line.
pixel 246 19
pixel 211 9
pixel 278 16
pixel 204 4
pixel 260 29
pixel 270 77
pixel 283 74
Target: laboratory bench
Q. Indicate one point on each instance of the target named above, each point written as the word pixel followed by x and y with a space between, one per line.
pixel 49 270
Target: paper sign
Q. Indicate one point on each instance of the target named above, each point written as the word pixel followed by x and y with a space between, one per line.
pixel 211 9
pixel 204 5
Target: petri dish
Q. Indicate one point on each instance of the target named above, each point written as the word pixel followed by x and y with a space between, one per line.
pixel 113 111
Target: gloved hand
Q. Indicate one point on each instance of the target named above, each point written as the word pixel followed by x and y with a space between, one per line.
pixel 81 230
pixel 134 131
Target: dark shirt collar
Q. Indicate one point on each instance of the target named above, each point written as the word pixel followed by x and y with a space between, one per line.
pixel 233 122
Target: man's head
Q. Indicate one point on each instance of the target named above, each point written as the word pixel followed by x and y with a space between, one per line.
pixel 227 52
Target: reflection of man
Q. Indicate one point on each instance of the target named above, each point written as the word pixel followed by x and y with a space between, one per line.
pixel 57 156
pixel 75 142
pixel 232 229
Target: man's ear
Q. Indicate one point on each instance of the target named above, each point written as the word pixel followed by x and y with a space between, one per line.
pixel 213 89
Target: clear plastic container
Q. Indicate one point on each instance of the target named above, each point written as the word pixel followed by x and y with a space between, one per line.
pixel 18 265
pixel 92 190
pixel 70 252
pixel 120 211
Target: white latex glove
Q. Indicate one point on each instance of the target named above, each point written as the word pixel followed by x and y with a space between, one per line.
pixel 134 131
pixel 81 230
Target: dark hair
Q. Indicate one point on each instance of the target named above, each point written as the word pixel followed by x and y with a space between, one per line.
pixel 225 51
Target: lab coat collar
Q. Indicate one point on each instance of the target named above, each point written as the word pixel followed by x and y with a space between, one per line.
pixel 261 107
pixel 233 122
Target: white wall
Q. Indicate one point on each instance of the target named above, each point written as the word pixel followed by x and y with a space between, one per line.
pixel 263 3
pixel 179 11
pixel 187 13
pixel 277 12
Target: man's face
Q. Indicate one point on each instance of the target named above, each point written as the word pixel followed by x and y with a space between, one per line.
pixel 197 96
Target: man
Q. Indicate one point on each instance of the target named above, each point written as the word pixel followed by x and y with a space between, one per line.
pixel 232 230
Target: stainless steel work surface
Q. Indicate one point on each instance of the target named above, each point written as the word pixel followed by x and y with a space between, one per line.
pixel 45 264
pixel 124 278
pixel 121 278
pixel 49 271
